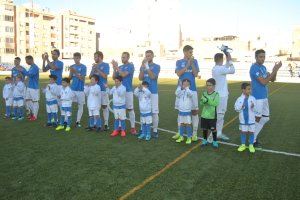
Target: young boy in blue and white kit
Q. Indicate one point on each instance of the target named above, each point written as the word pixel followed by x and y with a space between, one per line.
pixel 245 105
pixel 184 95
pixel 119 106
pixel 93 93
pixel 18 98
pixel 144 95
pixel 8 96
pixel 66 97
pixel 52 91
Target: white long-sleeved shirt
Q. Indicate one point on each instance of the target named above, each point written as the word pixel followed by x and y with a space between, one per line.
pixel 219 73
pixel 8 91
pixel 144 96
pixel 93 94
pixel 66 96
pixel 52 91
pixel 184 99
pixel 19 90
pixel 119 95
pixel 243 105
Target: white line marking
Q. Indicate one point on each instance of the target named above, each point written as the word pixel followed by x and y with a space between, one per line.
pixel 226 143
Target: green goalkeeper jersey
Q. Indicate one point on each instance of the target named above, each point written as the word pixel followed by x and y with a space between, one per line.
pixel 209 103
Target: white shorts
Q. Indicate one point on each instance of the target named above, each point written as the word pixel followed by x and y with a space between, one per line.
pixel 94 112
pixel 79 97
pixel 9 101
pixel 129 100
pixel 154 103
pixel 195 102
pixel 18 103
pixel 222 107
pixel 184 119
pixel 120 114
pixel 247 128
pixel 52 108
pixel 66 111
pixel 146 120
pixel 262 108
pixel 32 94
pixel 104 98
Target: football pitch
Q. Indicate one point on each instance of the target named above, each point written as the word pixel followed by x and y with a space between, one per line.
pixel 41 163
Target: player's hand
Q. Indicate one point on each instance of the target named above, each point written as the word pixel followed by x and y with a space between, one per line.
pixel 105 85
pixel 252 105
pixel 115 65
pixel 277 65
pixel 72 70
pixel 199 76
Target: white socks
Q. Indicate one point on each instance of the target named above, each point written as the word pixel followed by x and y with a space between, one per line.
pixel 195 123
pixel 132 118
pixel 35 108
pixel 105 115
pixel 220 123
pixel 155 120
pixel 79 112
pixel 259 125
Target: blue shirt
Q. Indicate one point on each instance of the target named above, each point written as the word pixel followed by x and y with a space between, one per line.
pixel 15 72
pixel 57 72
pixel 259 91
pixel 33 74
pixel 103 67
pixel 127 80
pixel 155 68
pixel 77 84
pixel 188 74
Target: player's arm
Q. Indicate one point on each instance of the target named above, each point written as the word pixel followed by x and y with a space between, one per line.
pixel 44 58
pixel 238 106
pixel 195 67
pixel 100 73
pixel 272 76
pixel 178 71
pixel 229 67
pixel 215 101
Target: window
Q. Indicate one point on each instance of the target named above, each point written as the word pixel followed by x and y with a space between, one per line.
pixel 27 32
pixel 9 18
pixel 9 29
pixel 91 23
pixel 27 24
pixel 9 40
pixel 9 7
pixel 9 50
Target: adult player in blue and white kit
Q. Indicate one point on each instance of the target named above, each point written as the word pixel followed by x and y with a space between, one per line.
pixel 55 67
pixel 32 93
pixel 126 72
pixel 149 72
pixel 77 75
pixel 101 70
pixel 260 78
pixel 17 69
pixel 187 68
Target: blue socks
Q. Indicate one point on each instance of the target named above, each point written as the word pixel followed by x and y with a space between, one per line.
pixel 91 121
pixel 62 120
pixel 189 131
pixel 49 117
pixel 69 121
pixel 116 124
pixel 98 122
pixel 7 111
pixel 181 130
pixel 16 111
pixel 123 126
pixel 251 138
pixel 243 138
pixel 54 117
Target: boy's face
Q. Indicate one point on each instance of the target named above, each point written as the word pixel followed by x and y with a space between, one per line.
pixel 210 87
pixel 7 81
pixel 18 79
pixel 64 84
pixel 29 62
pixel 260 58
pixel 77 59
pixel 149 57
pixel 117 82
pixel 54 55
pixel 97 58
pixel 145 86
pixel 247 91
pixel 16 62
pixel 124 58
pixel 185 84
pixel 52 80
pixel 93 81
pixel 188 54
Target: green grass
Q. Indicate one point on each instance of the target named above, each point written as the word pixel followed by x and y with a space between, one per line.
pixel 40 163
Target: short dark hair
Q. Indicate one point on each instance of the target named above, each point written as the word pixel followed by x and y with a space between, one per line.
pixel 149 51
pixel 187 48
pixel 125 52
pixel 218 57
pixel 259 51
pixel 186 80
pixel 29 57
pixel 145 83
pixel 244 85
pixel 57 51
pixel 8 78
pixel 18 58
pixel 54 77
pixel 119 78
pixel 20 76
pixel 67 80
pixel 95 77
pixel 77 54
pixel 212 81
pixel 99 53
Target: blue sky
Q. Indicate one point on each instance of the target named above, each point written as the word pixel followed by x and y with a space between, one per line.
pixel 197 16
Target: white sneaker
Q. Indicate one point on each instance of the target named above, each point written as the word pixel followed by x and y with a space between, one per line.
pixel 210 138
pixel 223 137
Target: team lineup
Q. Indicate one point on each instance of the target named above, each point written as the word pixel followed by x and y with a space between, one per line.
pixel 22 92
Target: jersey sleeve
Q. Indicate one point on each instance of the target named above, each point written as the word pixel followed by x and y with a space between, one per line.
pixel 59 65
pixel 177 66
pixel 196 65
pixel 83 71
pixel 106 69
pixel 156 70
pixel 254 72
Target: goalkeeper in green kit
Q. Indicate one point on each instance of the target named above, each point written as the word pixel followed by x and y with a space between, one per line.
pixel 210 100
